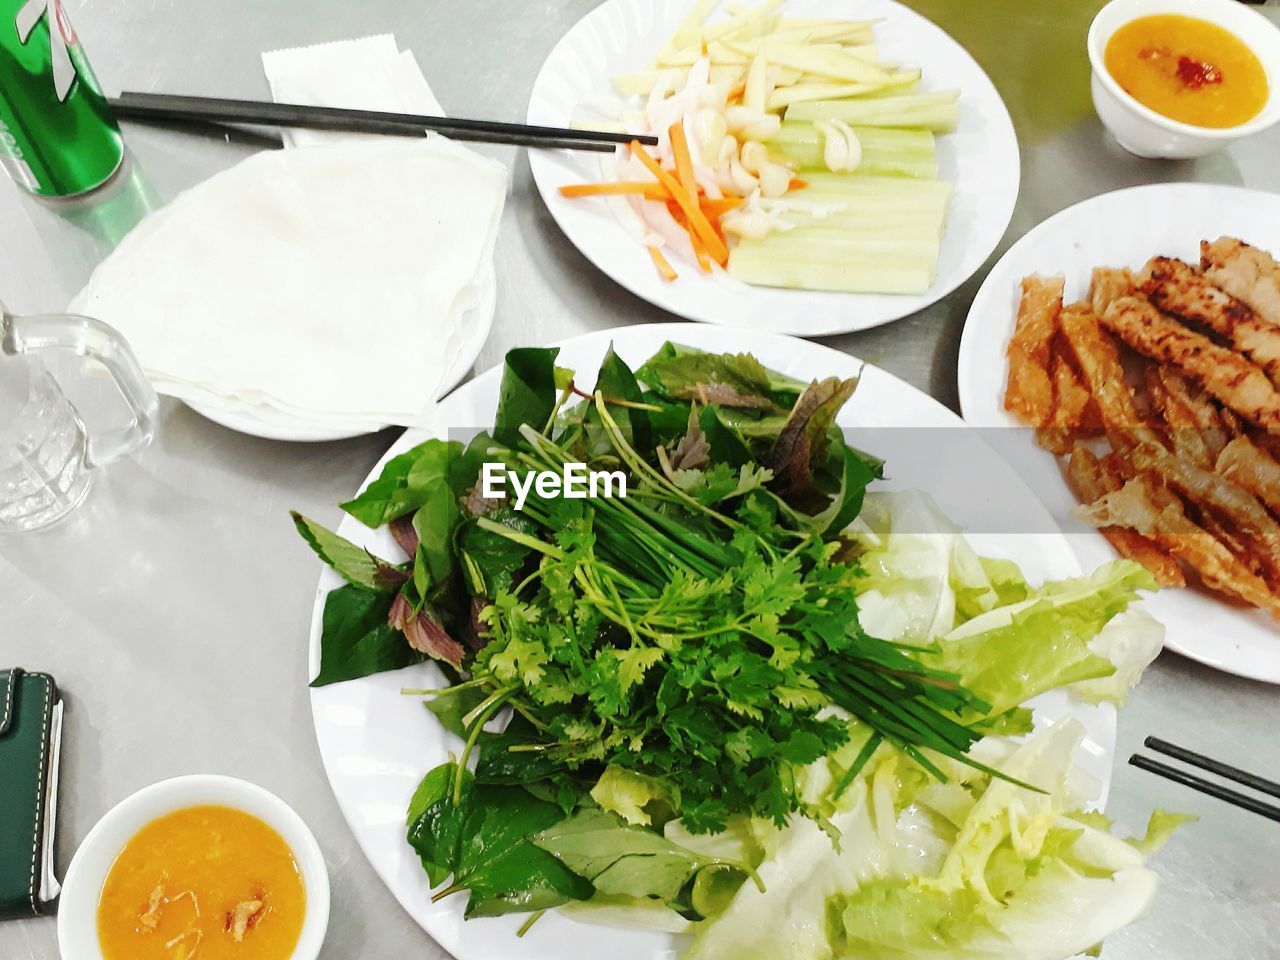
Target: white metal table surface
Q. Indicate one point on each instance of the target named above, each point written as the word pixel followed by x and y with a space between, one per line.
pixel 173 608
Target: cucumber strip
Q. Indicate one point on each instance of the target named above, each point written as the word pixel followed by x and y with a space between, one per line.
pixel 821 181
pixel 833 245
pixel 810 156
pixel 880 138
pixel 843 209
pixel 766 267
pixel 874 164
pixel 899 82
pixel 931 111
pixel 928 230
pixel 885 151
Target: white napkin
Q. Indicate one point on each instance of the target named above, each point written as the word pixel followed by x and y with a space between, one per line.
pixel 366 74
pixel 327 283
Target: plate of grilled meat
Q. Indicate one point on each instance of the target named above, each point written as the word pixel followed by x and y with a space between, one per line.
pixel 1130 348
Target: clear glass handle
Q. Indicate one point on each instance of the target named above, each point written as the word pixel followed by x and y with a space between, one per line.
pixel 91 338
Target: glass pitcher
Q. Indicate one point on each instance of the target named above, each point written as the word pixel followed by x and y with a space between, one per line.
pixel 47 458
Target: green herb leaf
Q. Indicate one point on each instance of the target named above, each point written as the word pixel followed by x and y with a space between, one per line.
pixel 484 842
pixel 405 482
pixel 622 860
pixel 435 825
pixel 802 444
pixel 728 379
pixel 490 559
pixel 499 764
pixel 437 518
pixel 354 564
pixel 355 639
pixel 528 393
pixel 857 473
pixel 450 707
pixel 726 444
pixel 614 382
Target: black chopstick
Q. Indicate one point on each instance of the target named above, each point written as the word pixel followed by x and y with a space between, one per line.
pixel 1224 770
pixel 1207 787
pixel 163 106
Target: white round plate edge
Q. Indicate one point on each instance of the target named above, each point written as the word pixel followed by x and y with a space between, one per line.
pixel 387 851
pixel 780 311
pixel 1253 648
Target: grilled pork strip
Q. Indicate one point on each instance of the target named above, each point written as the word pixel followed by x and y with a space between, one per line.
pixel 1179 289
pixel 1238 383
pixel 1245 272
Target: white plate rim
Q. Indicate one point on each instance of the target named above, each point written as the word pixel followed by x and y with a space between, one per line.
pixel 341 710
pixel 800 313
pixel 980 406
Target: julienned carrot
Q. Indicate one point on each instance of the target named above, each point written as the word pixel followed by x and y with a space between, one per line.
pixel 797 184
pixel 718 208
pixel 700 253
pixel 684 162
pixel 664 267
pixel 651 190
pixel 698 223
pixel 684 171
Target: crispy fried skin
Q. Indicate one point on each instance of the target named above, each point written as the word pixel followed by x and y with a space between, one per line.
pixel 1208 490
pixel 1089 481
pixel 1231 378
pixel 1214 425
pixel 1179 289
pixel 1144 506
pixel 1237 509
pixel 1194 435
pixel 1099 361
pixel 1029 392
pixel 1108 284
pixel 1251 469
pixel 1071 410
pixel 1245 272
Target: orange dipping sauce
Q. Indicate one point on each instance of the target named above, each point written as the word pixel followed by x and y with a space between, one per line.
pixel 1188 69
pixel 203 883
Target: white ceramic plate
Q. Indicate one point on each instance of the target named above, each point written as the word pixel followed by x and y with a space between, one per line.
pixel 475 326
pixel 377 744
pixel 619 36
pixel 1121 229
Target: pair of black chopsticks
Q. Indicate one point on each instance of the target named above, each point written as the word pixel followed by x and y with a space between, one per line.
pixel 1225 771
pixel 171 107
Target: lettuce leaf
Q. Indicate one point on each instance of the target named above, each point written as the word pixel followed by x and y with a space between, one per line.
pixel 1015 652
pixel 632 796
pixel 1131 641
pixel 1026 876
pixel 972 869
pixel 803 873
pixel 906 594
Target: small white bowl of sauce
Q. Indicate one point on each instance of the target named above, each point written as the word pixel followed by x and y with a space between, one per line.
pixel 196 868
pixel 1178 79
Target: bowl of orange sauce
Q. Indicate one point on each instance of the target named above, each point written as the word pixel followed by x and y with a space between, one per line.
pixel 196 868
pixel 1178 79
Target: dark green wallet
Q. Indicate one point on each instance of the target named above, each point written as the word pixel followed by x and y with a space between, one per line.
pixel 30 740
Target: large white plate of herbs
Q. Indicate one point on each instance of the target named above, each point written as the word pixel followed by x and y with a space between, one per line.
pixel 507 839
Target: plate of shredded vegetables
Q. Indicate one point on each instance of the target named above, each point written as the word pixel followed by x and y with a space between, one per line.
pixel 821 167
pixel 773 702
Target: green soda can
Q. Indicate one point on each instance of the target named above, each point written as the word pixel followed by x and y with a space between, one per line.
pixel 57 135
